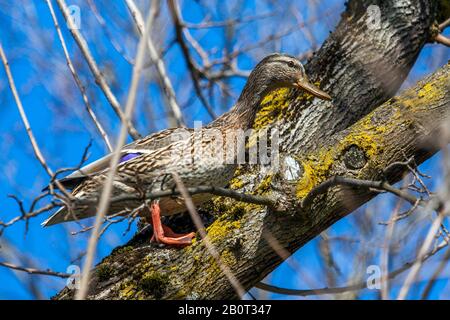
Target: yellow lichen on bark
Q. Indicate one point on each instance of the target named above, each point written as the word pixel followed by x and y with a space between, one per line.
pixel 317 166
pixel 315 170
pixel 433 91
pixel 226 257
pixel 221 229
pixel 272 107
pixel 370 135
pixel 275 105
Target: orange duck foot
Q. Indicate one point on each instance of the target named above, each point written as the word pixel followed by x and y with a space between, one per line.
pixel 163 234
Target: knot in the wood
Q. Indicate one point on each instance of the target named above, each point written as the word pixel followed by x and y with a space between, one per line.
pixel 434 31
pixel 354 158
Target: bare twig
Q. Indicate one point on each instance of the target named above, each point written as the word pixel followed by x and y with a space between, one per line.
pixel 440 38
pixel 23 115
pixel 412 275
pixel 193 69
pixel 77 79
pixel 34 271
pixel 249 198
pixel 271 38
pixel 355 287
pixel 326 253
pixel 174 110
pixel 107 189
pixel 108 34
pixel 339 180
pixel 25 216
pixel 444 262
pixel 401 215
pixel 386 251
pixel 284 254
pixel 229 22
pixel 383 185
pixel 99 78
pixel 444 24
pixel 36 149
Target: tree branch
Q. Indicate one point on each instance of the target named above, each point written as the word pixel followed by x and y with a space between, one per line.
pixel 99 78
pixel 351 137
pixel 108 187
pixel 77 79
pixel 35 271
pixel 354 287
pixel 193 70
pixel 223 192
pixel 174 109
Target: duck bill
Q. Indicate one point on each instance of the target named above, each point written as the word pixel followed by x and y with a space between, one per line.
pixel 312 89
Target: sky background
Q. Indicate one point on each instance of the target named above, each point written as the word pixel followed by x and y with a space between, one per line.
pixel 58 119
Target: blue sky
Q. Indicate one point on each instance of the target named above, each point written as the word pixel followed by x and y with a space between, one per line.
pixel 57 116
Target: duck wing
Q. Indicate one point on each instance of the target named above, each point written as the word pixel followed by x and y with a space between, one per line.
pixel 130 151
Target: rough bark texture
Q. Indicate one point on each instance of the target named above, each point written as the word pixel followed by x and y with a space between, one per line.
pixel 361 69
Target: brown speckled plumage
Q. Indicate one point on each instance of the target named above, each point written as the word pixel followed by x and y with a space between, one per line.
pixel 177 150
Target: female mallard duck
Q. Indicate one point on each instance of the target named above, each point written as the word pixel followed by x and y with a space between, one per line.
pixel 146 164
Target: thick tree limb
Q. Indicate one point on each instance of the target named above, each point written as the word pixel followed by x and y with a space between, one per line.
pixel 362 69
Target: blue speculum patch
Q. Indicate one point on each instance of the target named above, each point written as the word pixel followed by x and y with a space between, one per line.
pixel 129 156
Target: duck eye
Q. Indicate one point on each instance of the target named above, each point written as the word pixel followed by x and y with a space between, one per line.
pixel 291 64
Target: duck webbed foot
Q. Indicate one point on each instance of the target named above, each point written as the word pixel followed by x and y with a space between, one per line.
pixel 163 234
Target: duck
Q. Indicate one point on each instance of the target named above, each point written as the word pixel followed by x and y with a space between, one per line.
pixel 146 165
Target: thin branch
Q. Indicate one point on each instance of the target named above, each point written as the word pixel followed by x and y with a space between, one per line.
pixel 249 198
pixel 440 38
pixel 274 37
pixel 284 254
pixel 436 273
pixel 229 22
pixel 385 254
pixel 412 275
pixel 99 78
pixel 107 189
pixel 359 286
pixel 26 123
pixel 402 215
pixel 36 149
pixel 383 185
pixel 108 34
pixel 193 69
pixel 27 215
pixel 444 24
pixel 432 234
pixel 77 79
pixel 339 180
pixel 208 244
pixel 34 271
pixel 174 110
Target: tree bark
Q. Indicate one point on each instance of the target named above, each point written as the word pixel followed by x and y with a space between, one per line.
pixel 361 68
